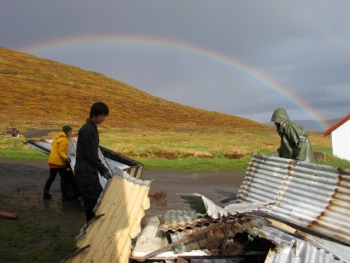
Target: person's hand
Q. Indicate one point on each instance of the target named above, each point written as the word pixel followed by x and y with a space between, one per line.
pixel 107 175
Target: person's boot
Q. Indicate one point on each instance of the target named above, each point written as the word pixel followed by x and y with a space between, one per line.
pixel 46 195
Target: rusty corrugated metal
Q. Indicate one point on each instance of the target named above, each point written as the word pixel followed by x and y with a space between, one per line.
pixel 179 219
pixel 311 196
pixel 215 238
pixel 107 238
pixel 210 241
pixel 223 233
pixel 311 199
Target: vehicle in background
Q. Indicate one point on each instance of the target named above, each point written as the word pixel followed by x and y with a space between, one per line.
pixel 12 131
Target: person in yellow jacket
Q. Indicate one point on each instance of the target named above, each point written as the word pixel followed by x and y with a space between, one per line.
pixel 58 162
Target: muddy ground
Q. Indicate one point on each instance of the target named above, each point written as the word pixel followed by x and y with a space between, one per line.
pixel 24 181
pixel 22 184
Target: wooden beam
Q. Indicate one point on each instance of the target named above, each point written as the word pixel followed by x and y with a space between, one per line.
pixel 8 215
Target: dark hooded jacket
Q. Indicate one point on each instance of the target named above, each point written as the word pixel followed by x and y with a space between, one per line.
pixel 88 163
pixel 295 143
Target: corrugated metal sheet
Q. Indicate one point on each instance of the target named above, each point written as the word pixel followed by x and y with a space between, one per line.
pixel 292 249
pixel 110 158
pixel 179 219
pixel 215 238
pixel 310 196
pixel 210 240
pixel 311 199
pixel 43 146
pixel 205 206
pixel 107 238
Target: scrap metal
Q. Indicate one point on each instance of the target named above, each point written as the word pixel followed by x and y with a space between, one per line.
pixel 300 208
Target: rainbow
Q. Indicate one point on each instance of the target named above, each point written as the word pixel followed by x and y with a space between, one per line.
pixel 185 47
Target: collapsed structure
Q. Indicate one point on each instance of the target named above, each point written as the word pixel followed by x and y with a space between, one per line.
pixel 285 212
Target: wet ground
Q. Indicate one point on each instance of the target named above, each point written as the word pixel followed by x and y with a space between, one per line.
pixel 220 187
pixel 21 190
pixel 24 182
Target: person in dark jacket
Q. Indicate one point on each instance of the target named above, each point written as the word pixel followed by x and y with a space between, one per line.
pixel 58 163
pixel 295 143
pixel 88 163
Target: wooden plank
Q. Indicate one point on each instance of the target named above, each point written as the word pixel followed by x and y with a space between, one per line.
pixel 8 215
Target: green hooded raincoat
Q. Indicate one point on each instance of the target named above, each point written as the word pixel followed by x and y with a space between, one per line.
pixel 295 143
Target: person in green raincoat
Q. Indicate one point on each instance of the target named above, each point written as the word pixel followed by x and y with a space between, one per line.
pixel 295 143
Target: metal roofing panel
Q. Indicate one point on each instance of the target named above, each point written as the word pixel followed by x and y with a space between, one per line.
pixel 43 146
pixel 203 205
pixel 339 250
pixel 312 196
pixel 109 158
pixel 292 249
pixel 107 238
pixel 204 239
pixel 179 219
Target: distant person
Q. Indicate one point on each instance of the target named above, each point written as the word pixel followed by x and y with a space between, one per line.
pixel 58 163
pixel 295 143
pixel 88 163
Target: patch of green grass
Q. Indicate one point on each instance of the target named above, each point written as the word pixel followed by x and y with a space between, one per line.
pixel 37 236
pixel 137 144
pixel 323 149
pixel 14 148
pixel 331 160
pixel 196 164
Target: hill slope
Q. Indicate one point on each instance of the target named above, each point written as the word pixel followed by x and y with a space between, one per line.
pixel 39 93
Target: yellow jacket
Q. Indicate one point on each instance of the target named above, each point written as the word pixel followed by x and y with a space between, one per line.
pixel 58 154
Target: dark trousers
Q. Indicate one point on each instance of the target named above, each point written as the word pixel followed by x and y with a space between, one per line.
pixel 63 182
pixel 89 204
pixel 90 189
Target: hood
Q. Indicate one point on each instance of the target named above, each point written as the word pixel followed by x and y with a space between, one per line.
pixel 280 116
pixel 61 134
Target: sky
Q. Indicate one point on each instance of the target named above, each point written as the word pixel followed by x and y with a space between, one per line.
pixel 243 58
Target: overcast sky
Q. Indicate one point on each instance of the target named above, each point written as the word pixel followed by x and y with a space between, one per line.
pixel 240 57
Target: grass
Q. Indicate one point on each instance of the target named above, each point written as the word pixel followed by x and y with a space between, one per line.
pixel 14 148
pixel 57 94
pixel 43 94
pixel 188 152
pixel 35 239
pixel 183 151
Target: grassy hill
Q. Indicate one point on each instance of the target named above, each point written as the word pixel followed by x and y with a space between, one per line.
pixel 41 93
